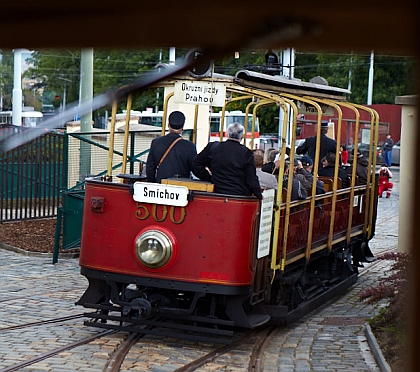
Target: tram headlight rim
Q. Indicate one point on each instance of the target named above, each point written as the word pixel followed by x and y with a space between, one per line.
pixel 144 244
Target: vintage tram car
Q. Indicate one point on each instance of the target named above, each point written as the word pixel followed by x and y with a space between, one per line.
pixel 177 259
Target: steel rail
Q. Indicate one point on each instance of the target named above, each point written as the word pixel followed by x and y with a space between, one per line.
pixel 54 352
pixel 42 322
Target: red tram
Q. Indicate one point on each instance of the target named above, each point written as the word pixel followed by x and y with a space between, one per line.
pixel 180 257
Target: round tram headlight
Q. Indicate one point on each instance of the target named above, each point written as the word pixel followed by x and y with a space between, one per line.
pixel 153 248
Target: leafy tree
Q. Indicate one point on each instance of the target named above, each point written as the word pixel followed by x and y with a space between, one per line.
pixel 31 98
pixel 59 70
pixel 392 74
pixel 6 78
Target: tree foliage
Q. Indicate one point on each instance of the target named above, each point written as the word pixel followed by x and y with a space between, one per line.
pixel 393 75
pixel 57 73
pixel 6 78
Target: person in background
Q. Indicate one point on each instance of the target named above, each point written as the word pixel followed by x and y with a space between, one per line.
pixel 176 162
pixel 344 155
pixel 229 165
pixel 328 170
pixel 388 144
pixel 384 185
pixel 327 145
pixel 267 180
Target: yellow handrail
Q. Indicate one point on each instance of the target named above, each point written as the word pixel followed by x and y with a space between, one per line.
pixel 126 133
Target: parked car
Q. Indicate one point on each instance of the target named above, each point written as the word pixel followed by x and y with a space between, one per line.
pixel 395 157
pixel 269 140
pixel 364 149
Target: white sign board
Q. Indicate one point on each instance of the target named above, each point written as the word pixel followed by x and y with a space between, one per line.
pixel 365 135
pixel 266 222
pixel 307 108
pixel 156 193
pixel 200 93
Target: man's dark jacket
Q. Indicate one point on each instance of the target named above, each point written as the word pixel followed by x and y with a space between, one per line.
pixel 328 171
pixel 177 162
pixel 232 168
pixel 361 170
pixel 308 147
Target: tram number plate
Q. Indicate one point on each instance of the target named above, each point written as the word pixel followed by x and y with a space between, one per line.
pixel 156 193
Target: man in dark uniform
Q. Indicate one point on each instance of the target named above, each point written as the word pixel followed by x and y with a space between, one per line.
pixel 231 165
pixel 178 161
pixel 327 145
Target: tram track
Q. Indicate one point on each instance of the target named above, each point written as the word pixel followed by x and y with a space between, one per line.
pixel 258 338
pixel 42 322
pixel 54 352
pixel 40 294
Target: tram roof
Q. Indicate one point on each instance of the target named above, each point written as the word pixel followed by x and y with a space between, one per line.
pixel 269 83
pixel 284 84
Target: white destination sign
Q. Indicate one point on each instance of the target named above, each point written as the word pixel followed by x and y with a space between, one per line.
pixel 266 222
pixel 156 193
pixel 200 93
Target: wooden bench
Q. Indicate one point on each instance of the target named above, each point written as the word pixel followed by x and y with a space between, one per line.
pixel 195 185
pixel 329 182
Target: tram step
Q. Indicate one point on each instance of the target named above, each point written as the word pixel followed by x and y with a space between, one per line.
pixel 257 320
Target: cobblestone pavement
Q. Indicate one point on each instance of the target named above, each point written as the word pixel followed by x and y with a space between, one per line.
pixel 32 289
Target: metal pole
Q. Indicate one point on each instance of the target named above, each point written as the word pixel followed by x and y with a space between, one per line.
pixel 157 89
pixel 86 94
pixel 17 88
pixel 370 86
pixel 172 56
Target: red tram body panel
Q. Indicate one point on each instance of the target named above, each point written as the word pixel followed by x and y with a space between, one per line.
pixel 217 254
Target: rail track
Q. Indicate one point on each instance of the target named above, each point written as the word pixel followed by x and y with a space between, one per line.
pixel 54 352
pixel 42 322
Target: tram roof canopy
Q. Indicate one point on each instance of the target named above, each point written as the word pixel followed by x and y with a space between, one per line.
pixel 294 86
pixel 354 25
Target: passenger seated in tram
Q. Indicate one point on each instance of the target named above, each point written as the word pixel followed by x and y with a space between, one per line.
pixel 267 154
pixel 328 170
pixel 267 181
pixel 361 168
pixel 270 166
pixel 306 171
pixel 298 191
pixel 229 165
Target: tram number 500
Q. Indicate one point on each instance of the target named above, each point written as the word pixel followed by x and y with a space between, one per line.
pixel 160 213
